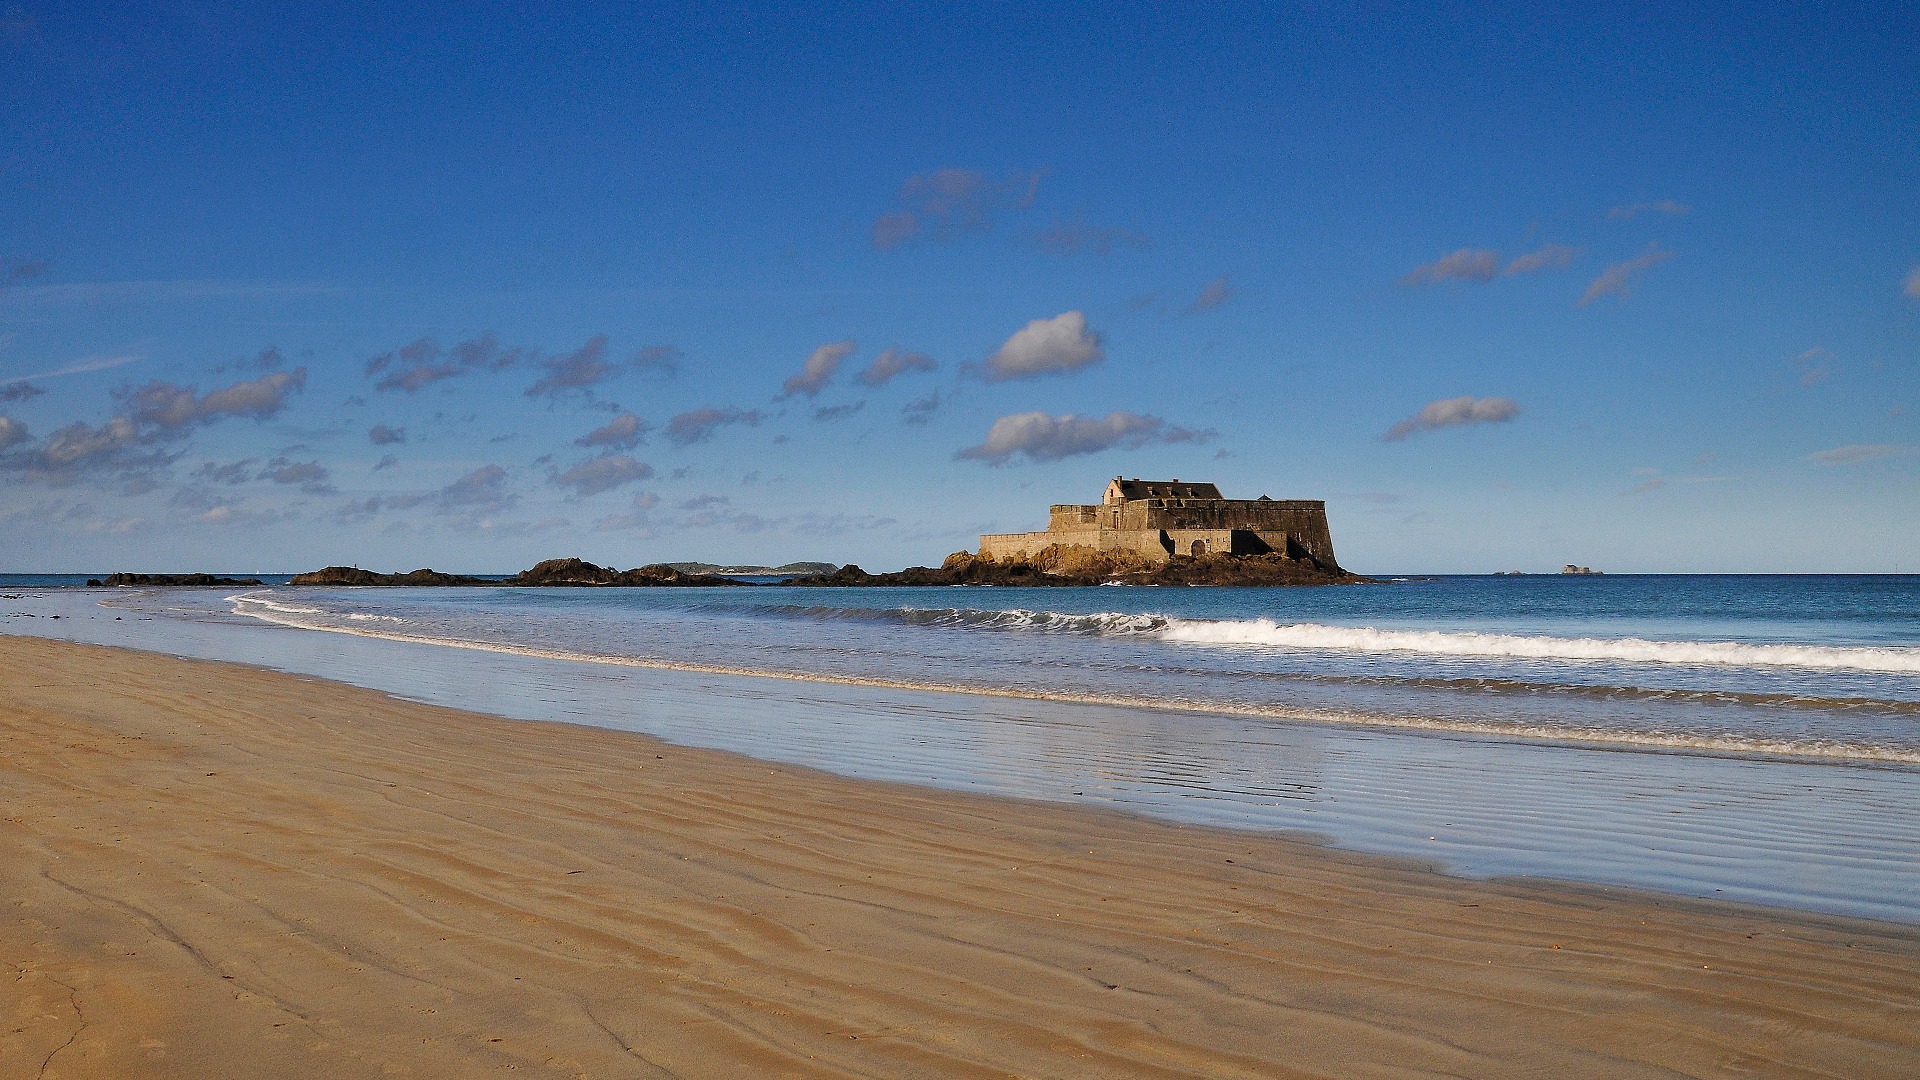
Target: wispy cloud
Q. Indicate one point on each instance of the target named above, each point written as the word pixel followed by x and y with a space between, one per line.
pixel 581 369
pixel 1061 344
pixel 20 391
pixel 920 411
pixel 946 203
pixel 698 425
pixel 1860 453
pixel 1545 257
pixel 820 365
pixel 382 435
pixel 12 432
pixel 1466 264
pixel 838 412
pixel 1041 437
pixel 14 271
pixel 1634 210
pixel 894 361
pixel 423 362
pixel 1454 412
pixel 1814 365
pixel 658 361
pixel 80 367
pixel 1911 286
pixel 1617 280
pixel 1216 293
pixel 1072 238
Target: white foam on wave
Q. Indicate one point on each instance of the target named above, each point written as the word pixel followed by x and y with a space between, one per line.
pixel 1633 740
pixel 1267 632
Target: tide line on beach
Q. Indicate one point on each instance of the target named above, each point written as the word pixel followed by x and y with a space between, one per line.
pixel 217 870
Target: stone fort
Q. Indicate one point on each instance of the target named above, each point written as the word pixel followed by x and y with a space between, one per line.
pixel 1164 518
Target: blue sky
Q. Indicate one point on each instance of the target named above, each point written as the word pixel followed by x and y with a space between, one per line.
pixel 1508 287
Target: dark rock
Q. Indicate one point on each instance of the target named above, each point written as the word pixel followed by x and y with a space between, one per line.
pixel 192 580
pixel 353 575
pixel 579 572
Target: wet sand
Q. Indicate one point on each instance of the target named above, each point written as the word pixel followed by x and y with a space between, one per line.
pixel 215 871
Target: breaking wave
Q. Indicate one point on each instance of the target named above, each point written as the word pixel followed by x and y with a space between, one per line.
pixel 1271 634
pixel 1319 637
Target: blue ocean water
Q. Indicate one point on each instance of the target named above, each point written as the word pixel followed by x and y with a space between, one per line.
pixel 1750 737
pixel 1808 666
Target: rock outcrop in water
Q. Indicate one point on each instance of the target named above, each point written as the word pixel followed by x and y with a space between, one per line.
pixel 581 572
pixel 1071 565
pixel 191 580
pixel 353 575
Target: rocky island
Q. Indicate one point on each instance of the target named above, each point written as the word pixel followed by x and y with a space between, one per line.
pixel 1143 532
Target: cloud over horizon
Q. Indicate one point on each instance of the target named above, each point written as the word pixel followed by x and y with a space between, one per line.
pixel 1061 344
pixel 1042 437
pixel 1454 412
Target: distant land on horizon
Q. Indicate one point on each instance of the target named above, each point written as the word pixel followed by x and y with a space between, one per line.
pixel 750 571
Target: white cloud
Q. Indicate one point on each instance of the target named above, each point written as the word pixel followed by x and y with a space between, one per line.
pixel 168 405
pixel 1616 280
pixel 1860 453
pixel 1042 437
pixel 894 362
pixel 11 432
pixel 820 366
pixel 1466 264
pixel 1452 412
pixel 603 473
pixel 1044 346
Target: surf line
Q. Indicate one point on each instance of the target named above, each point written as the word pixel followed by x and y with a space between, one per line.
pixel 1592 738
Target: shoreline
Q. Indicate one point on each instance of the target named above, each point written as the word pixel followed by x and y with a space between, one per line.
pixel 219 868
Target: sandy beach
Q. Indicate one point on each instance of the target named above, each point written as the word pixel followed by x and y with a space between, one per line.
pixel 217 871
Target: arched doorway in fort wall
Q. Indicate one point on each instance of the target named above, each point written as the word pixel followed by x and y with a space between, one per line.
pixel 1199 548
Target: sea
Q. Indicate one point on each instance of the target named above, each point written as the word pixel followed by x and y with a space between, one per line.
pixel 1742 738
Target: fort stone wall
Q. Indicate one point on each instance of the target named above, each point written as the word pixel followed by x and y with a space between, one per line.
pixel 1170 518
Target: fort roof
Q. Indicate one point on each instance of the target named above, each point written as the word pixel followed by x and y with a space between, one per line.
pixel 1123 489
